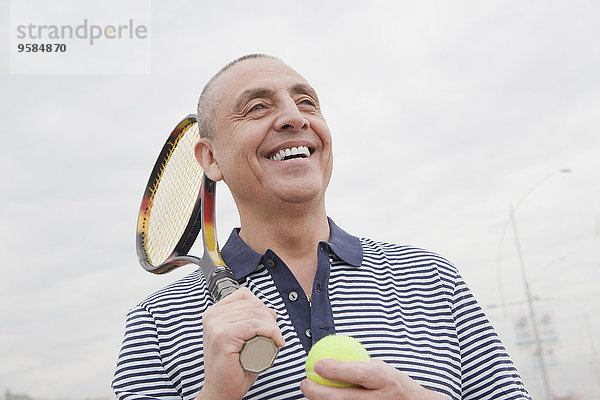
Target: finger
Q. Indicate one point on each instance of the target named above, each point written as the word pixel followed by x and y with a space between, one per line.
pixel 273 313
pixel 248 329
pixel 370 375
pixel 240 304
pixel 242 320
pixel 253 320
pixel 315 391
pixel 239 310
pixel 240 332
pixel 278 339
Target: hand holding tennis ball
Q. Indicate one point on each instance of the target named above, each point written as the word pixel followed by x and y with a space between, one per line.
pixel 342 348
pixel 378 379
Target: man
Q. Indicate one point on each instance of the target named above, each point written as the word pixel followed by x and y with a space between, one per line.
pixel 303 277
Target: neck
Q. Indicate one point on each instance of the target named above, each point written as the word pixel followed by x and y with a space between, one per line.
pixel 292 233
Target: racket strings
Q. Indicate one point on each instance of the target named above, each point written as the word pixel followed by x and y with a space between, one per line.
pixel 174 197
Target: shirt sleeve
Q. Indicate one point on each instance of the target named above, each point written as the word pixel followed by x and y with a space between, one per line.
pixel 140 373
pixel 487 370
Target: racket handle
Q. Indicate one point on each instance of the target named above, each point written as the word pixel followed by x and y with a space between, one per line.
pixel 257 354
pixel 222 283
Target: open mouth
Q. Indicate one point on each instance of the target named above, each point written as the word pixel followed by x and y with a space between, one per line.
pixel 290 153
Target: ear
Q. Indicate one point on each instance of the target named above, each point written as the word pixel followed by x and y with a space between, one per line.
pixel 206 158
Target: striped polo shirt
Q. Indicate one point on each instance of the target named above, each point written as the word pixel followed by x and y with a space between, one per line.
pixel 407 306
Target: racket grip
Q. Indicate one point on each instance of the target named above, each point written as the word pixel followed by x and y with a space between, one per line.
pixel 222 284
pixel 257 354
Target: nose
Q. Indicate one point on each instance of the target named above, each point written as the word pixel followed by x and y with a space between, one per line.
pixel 290 118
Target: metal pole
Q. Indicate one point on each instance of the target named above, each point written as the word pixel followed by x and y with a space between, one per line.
pixel 536 334
pixel 517 204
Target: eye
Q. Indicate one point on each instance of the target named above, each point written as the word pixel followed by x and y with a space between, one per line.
pixel 257 107
pixel 307 101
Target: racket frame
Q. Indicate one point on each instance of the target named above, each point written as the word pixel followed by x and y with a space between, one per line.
pixel 178 256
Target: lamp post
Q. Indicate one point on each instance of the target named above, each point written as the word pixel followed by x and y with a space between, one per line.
pixel 508 221
pixel 532 316
pixel 512 221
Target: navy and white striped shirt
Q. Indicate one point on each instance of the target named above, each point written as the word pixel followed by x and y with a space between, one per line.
pixel 407 306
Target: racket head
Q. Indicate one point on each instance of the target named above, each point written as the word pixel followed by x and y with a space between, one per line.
pixel 169 219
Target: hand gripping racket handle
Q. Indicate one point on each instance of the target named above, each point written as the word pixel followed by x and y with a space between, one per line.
pixel 259 353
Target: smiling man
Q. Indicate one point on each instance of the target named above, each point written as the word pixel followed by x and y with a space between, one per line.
pixel 303 277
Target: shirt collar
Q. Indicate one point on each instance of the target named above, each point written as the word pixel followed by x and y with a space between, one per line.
pixel 242 260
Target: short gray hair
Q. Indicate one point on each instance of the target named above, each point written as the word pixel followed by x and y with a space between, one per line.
pixel 209 97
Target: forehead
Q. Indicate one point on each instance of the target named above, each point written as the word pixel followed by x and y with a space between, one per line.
pixel 258 73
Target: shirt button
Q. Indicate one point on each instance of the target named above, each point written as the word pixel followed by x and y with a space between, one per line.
pixel 308 333
pixel 293 296
pixel 270 263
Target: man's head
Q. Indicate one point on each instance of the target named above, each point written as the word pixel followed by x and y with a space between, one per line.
pixel 251 113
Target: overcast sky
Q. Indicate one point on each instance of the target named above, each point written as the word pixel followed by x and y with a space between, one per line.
pixel 443 114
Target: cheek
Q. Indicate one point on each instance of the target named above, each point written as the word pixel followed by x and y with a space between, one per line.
pixel 325 136
pixel 236 154
pixel 328 147
pixel 322 130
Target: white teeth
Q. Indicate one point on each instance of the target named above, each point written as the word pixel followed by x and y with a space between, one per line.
pixel 283 153
pixel 304 150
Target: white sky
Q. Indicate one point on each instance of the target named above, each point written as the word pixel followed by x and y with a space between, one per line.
pixel 442 113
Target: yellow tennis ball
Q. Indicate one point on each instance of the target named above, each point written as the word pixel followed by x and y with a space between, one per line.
pixel 343 348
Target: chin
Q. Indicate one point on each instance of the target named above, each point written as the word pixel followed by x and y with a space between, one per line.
pixel 300 193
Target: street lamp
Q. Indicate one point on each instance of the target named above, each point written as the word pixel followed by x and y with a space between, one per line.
pixel 536 335
pixel 513 223
pixel 508 221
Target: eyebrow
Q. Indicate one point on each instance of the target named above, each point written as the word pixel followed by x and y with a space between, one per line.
pixel 303 88
pixel 250 94
pixel 253 93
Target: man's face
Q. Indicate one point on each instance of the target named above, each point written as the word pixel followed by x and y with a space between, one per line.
pixel 271 139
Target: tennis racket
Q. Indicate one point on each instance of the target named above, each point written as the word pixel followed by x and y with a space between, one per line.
pixel 178 203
